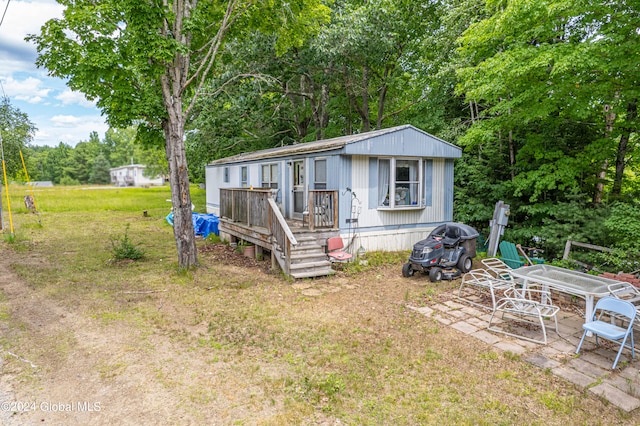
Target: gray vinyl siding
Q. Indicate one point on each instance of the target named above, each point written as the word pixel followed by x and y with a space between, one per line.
pixel 448 190
pixel 428 182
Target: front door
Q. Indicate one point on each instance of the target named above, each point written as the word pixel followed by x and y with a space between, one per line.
pixel 298 179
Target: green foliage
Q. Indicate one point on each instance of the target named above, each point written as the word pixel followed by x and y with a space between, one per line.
pixel 123 248
pixel 623 226
pixel 100 171
pixel 68 180
pixel 550 224
pixel 374 260
pixel 362 70
pixel 521 86
pixel 16 132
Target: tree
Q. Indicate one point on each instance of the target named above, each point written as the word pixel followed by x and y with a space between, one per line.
pixel 146 62
pixel 16 133
pixel 78 164
pixel 50 161
pixel 317 90
pixel 120 146
pixel 100 172
pixel 558 69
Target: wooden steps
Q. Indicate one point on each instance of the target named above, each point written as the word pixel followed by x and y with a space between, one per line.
pixel 308 259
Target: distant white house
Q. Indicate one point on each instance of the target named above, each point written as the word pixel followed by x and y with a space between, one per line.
pixel 133 175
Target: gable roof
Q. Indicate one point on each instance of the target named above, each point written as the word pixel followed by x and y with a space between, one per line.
pixel 390 141
pixel 128 166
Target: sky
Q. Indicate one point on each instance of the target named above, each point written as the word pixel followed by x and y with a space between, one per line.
pixel 59 114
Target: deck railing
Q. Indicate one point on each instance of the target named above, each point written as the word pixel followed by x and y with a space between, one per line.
pixel 281 234
pixel 244 205
pixel 323 209
pixel 257 208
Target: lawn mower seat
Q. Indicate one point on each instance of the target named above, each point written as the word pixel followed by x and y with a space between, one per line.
pixel 335 250
pixel 451 236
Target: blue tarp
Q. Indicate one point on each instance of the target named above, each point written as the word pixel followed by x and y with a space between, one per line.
pixel 203 224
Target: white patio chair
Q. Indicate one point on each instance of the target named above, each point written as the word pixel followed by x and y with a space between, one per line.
pixel 497 267
pixel 526 306
pixel 478 281
pixel 500 269
pixel 613 308
pixel 626 291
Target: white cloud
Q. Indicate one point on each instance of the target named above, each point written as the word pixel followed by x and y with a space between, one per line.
pixel 30 89
pixel 22 18
pixel 70 129
pixel 65 120
pixel 60 114
pixel 69 97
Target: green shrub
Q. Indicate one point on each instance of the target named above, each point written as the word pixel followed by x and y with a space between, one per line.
pixel 66 180
pixel 123 248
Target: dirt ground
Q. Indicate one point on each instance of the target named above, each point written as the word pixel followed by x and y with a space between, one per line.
pixel 67 366
pixel 82 371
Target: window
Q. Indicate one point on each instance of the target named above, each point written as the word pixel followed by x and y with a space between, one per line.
pixel 226 175
pixel 270 176
pixel 320 174
pixel 399 182
pixel 244 177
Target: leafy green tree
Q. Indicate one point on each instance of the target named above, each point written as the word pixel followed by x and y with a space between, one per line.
pixel 100 172
pixel 377 46
pixel 16 133
pixel 364 69
pixel 557 66
pixel 120 146
pixel 79 163
pixel 146 62
pixel 51 160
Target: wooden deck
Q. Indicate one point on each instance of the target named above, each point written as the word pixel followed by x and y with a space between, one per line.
pixel 297 247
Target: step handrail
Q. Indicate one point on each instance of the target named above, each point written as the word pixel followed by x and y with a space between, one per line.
pixel 280 230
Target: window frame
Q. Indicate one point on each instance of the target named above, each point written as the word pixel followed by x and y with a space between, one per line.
pixel 273 180
pixel 316 183
pixel 393 183
pixel 244 177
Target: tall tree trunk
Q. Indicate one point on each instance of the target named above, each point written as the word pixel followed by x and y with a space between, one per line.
pixel 512 156
pixel 382 99
pixel 609 118
pixel 324 113
pixel 623 148
pixel 319 105
pixel 364 113
pixel 298 101
pixel 173 128
pixel 351 101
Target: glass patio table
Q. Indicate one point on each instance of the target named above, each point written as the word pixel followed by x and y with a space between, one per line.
pixel 566 281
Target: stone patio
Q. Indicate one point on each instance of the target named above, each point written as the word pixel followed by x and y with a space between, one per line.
pixel 590 370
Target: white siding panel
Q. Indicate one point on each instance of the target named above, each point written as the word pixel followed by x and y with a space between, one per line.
pixel 214 180
pixel 397 240
pixel 438 185
pixel 360 186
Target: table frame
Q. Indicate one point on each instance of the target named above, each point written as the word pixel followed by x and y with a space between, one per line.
pixel 592 286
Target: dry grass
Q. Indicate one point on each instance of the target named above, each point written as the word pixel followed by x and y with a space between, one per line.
pixel 235 344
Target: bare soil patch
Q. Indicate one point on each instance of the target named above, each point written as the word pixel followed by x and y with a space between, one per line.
pixel 236 344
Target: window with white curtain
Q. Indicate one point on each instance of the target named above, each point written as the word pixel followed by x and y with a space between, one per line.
pixel 399 182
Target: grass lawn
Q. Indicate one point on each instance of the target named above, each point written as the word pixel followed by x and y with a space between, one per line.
pixel 233 343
